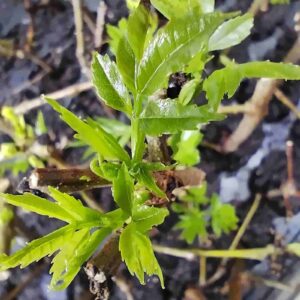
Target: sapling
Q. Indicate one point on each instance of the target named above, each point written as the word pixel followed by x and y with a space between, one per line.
pixel 146 56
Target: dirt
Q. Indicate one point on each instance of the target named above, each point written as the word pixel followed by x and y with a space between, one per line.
pixel 259 166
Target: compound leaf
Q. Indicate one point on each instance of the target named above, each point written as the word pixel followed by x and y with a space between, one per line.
pixel 101 141
pixel 38 249
pixel 192 223
pixel 137 252
pixel 173 47
pixel 68 261
pixel 223 216
pixel 228 79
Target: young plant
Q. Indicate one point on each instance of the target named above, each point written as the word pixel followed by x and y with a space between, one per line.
pixel 21 153
pixel 145 58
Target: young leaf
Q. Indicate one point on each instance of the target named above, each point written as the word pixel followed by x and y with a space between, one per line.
pixel 138 24
pixel 146 217
pixel 68 262
pixel 109 85
pixel 184 146
pixel 177 9
pixel 40 125
pixel 228 79
pixel 231 33
pixel 123 188
pixel 223 216
pixel 125 59
pixel 38 249
pixel 101 141
pixel 38 205
pixel 137 252
pixel 173 47
pixel 74 206
pixel 188 91
pixel 145 177
pixel 116 33
pixel 192 224
pixel 169 116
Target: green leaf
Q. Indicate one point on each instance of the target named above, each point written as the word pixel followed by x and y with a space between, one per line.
pixel 145 177
pixel 38 249
pixel 231 33
pixel 125 59
pixel 123 188
pixel 188 91
pixel 173 47
pixel 101 141
pixel 192 224
pixel 169 116
pixel 117 129
pixel 116 33
pixel 138 24
pixel 38 205
pixel 73 206
pixel 185 147
pixel 177 9
pixel 223 216
pixel 146 217
pixel 109 84
pixel 228 79
pixel 137 252
pixel 16 164
pixel 196 194
pixel 68 261
pixel 40 125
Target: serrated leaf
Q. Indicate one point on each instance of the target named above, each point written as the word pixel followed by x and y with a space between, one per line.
pixel 101 141
pixel 73 206
pixel 228 79
pixel 169 116
pixel 223 216
pixel 123 188
pixel 185 147
pixel 38 205
pixel 109 84
pixel 231 33
pixel 192 224
pixel 38 249
pixel 137 252
pixel 68 262
pixel 173 47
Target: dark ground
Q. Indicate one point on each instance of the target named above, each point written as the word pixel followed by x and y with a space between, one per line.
pixel 259 166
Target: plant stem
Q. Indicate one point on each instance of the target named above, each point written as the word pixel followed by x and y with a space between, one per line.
pixel 67 180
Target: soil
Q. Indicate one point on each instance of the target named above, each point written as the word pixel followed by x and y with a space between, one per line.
pixel 259 166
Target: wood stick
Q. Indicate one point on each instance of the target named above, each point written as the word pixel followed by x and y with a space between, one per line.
pixel 66 180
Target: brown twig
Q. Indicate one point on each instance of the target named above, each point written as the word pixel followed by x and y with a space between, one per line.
pixel 101 12
pixel 69 91
pixel 287 102
pixel 80 49
pixel 66 180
